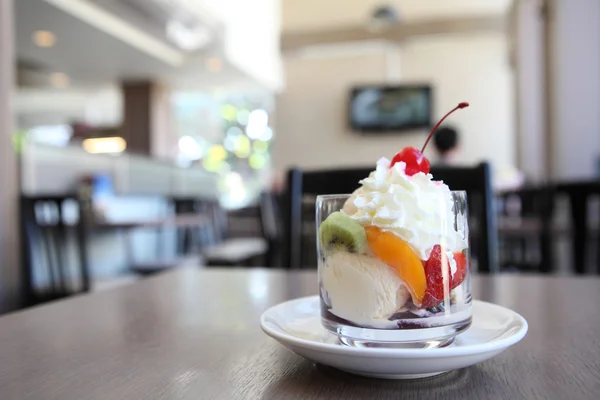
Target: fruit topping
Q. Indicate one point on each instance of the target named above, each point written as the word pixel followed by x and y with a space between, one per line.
pixel 398 254
pixel 340 232
pixel 439 276
pixel 415 160
pixel 461 269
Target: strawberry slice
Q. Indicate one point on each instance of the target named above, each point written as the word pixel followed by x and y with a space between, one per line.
pixel 461 269
pixel 434 294
pixel 434 274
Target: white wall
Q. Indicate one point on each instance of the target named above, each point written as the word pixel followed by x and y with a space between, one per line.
pixel 307 15
pixel 311 128
pixel 528 55
pixel 311 121
pixel 474 69
pixel 575 74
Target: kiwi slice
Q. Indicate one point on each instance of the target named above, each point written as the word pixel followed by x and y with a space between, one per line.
pixel 340 232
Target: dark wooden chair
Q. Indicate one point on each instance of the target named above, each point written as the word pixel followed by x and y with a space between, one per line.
pixel 477 182
pixel 300 196
pixel 246 248
pixel 54 255
pixel 525 229
pixel 184 236
pixel 271 227
pixel 214 242
pixel 304 186
pixel 580 194
pixel 186 222
pixel 254 233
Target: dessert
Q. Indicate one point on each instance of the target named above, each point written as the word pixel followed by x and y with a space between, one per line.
pixel 396 254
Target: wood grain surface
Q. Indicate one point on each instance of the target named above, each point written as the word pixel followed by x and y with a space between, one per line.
pixel 195 334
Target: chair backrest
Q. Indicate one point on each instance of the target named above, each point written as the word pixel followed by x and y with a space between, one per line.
pixel 476 181
pixel 579 194
pixel 527 216
pixel 184 237
pixel 245 221
pixel 54 248
pixel 271 227
pixel 191 239
pixel 302 189
pixel 270 218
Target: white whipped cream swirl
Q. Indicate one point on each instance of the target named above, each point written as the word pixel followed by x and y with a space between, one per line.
pixel 416 208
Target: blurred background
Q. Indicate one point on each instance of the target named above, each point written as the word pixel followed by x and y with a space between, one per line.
pixel 143 135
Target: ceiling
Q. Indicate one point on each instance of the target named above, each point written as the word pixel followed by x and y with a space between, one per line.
pixel 314 15
pixel 91 57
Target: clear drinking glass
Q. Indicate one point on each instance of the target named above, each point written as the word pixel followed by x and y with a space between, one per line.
pixel 406 285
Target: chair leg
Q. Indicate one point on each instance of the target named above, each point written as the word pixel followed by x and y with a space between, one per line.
pixel 547 261
pixel 579 239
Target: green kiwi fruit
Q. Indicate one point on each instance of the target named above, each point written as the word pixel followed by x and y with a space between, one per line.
pixel 340 232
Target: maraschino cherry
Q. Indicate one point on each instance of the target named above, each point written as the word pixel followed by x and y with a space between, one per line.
pixel 415 160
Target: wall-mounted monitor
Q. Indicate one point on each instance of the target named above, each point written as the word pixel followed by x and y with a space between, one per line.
pixel 379 108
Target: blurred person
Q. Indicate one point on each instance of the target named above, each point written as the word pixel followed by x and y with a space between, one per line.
pixel 446 142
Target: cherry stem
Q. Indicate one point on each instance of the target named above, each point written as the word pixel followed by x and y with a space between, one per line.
pixel 459 106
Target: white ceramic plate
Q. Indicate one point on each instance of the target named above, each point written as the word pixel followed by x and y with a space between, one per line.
pixel 297 325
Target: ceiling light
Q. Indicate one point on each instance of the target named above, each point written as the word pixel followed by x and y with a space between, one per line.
pixel 382 18
pixel 214 64
pixel 105 145
pixel 59 80
pixel 43 38
pixel 188 38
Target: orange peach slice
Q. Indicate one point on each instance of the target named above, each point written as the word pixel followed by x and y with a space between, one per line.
pixel 396 253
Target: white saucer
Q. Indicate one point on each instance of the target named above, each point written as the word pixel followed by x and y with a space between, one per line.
pixel 297 325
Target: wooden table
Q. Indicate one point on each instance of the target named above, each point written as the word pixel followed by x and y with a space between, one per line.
pixel 194 334
pixel 190 220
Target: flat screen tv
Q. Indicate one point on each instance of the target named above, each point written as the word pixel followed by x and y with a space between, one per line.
pixel 390 108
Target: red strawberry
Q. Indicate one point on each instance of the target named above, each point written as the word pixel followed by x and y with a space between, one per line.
pixel 434 294
pixel 461 269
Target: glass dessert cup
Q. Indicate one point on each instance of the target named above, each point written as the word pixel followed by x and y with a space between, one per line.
pixel 399 277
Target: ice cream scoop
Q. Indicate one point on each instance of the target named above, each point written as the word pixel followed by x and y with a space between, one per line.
pixel 363 289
